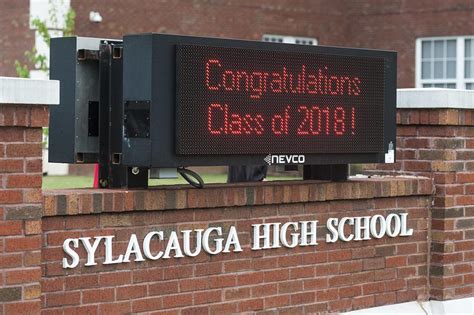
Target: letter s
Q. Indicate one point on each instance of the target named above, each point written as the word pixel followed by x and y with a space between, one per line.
pixel 69 251
pixel 331 225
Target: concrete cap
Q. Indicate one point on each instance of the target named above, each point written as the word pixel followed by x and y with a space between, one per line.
pixel 29 91
pixel 435 98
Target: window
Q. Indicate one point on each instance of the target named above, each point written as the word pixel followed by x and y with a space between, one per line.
pixel 445 62
pixel 289 39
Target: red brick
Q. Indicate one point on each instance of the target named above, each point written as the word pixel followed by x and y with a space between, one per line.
pixel 264 290
pixel 249 278
pixel 340 305
pixel 10 260
pixel 210 296
pixel 327 295
pixel 237 293
pixel 39 116
pixel 276 275
pixel 34 165
pixel 34 135
pixel 395 261
pixel 302 298
pixel 11 196
pixel 115 278
pixel 385 299
pixel 276 301
pixel 171 301
pixel 63 298
pixel 52 284
pixel 24 150
pixel 33 227
pixel 74 282
pixel 11 165
pixel 23 307
pixel 98 295
pixel 222 281
pixel 250 305
pixel 193 284
pixel 15 244
pixel 302 272
pixel 79 310
pixel 363 302
pixel 11 228
pixel 115 308
pixel 148 304
pixel 350 291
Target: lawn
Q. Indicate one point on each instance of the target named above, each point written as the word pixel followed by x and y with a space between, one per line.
pixel 58 182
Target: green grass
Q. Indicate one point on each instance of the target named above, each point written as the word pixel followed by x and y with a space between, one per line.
pixel 62 182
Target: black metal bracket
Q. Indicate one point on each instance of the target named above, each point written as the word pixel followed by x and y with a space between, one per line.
pixel 112 174
pixel 336 172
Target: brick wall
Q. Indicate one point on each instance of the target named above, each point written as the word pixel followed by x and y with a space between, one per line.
pixel 378 24
pixel 20 207
pixel 439 143
pixel 324 278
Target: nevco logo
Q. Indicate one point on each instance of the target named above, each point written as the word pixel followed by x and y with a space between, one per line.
pixel 284 159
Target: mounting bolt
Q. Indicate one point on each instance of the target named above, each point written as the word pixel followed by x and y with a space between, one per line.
pixel 103 183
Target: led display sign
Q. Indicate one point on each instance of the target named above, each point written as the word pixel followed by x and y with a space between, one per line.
pixel 250 101
pixel 192 101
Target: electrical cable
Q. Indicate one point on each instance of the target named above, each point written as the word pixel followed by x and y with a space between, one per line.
pixel 188 174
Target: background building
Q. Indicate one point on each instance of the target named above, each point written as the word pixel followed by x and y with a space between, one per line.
pixel 433 38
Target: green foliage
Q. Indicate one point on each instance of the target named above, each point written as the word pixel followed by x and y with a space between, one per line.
pixel 70 23
pixel 39 61
pixel 22 70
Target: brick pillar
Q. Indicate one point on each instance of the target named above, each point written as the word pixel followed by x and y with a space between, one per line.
pixel 439 143
pixel 21 207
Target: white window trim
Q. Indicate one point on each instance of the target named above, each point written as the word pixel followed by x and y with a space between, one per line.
pixel 460 81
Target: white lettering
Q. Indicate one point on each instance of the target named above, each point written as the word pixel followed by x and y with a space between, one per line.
pixel 90 249
pixel 294 236
pixel 109 253
pixel 173 244
pixel 72 253
pixel 232 239
pixel 187 242
pixel 146 245
pixel 404 226
pixel 331 226
pixel 305 232
pixel 133 248
pixel 373 226
pixel 359 227
pixel 218 241
pixel 340 229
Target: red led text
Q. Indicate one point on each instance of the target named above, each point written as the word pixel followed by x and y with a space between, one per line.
pixel 258 83
pixel 301 121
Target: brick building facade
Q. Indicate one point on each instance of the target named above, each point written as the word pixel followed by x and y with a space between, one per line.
pixel 379 24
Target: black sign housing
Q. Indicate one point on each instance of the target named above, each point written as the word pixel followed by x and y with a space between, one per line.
pixel 191 101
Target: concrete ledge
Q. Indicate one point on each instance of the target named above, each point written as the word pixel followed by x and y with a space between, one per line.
pixel 28 91
pixel 452 307
pixel 435 98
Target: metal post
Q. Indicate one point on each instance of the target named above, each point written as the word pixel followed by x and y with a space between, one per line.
pixel 336 172
pixel 111 173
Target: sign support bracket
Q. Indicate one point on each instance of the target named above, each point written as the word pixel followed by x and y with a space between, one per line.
pixel 111 173
pixel 336 172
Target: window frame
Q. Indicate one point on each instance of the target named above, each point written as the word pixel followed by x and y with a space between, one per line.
pixel 460 81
